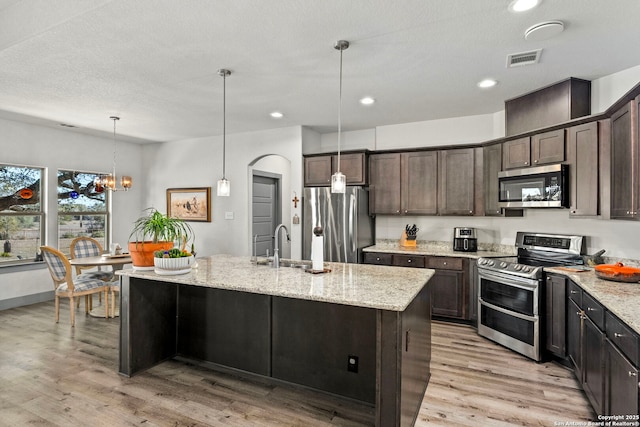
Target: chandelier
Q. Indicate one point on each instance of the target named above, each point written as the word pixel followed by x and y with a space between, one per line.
pixel 109 182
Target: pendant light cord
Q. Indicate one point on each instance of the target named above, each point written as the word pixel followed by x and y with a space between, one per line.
pixel 114 118
pixel 224 123
pixel 340 109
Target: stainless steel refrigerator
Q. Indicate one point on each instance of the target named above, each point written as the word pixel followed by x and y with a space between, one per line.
pixel 345 219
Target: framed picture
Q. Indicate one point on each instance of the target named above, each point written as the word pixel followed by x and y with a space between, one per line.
pixel 189 204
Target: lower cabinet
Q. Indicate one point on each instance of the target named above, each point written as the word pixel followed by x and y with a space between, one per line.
pixel 604 352
pixel 450 285
pixel 556 313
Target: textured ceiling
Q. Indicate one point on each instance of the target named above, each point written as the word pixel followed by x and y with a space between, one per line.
pixel 154 62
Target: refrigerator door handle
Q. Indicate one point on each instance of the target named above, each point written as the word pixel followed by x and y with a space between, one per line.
pixel 352 215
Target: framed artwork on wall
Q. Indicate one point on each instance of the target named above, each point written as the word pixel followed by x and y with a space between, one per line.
pixel 189 204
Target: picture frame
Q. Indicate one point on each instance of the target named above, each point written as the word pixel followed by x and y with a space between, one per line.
pixel 189 204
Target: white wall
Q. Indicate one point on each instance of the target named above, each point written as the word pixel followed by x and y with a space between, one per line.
pixel 607 90
pixel 198 163
pixel 33 145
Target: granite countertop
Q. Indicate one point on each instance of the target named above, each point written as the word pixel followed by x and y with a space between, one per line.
pixel 439 248
pixel 621 299
pixel 362 285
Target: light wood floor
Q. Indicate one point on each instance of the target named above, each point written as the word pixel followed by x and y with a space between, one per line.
pixel 53 375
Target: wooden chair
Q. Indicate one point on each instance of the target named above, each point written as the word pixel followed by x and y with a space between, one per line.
pixel 82 247
pixel 113 289
pixel 65 286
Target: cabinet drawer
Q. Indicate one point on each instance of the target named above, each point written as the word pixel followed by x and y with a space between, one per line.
pixel 408 261
pixel 444 263
pixel 377 258
pixel 623 338
pixel 575 293
pixel 593 309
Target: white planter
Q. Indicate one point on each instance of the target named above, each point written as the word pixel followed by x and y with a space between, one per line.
pixel 181 263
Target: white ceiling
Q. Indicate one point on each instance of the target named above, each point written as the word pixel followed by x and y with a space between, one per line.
pixel 154 62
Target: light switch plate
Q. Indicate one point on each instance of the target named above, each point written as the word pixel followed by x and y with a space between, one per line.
pixel 228 215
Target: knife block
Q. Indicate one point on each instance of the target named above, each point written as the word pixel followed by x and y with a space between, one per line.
pixel 404 241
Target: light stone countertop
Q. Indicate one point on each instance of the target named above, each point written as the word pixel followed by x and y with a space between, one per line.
pixel 439 248
pixel 621 299
pixel 362 285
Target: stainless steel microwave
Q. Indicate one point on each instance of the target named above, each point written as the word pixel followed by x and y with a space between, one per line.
pixel 537 187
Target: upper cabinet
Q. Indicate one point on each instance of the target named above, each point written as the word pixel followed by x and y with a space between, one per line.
pixel 624 162
pixel 582 157
pixel 541 149
pixel 403 183
pixel 548 106
pixel 318 169
pixel 492 163
pixel 456 195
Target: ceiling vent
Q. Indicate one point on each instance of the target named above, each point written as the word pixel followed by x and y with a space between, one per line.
pixel 524 58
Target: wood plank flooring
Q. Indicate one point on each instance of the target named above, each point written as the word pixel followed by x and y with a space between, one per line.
pixel 55 375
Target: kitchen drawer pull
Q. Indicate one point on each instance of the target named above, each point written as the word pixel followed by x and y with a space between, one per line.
pixel 617 335
pixel 378 259
pixel 408 260
pixel 444 263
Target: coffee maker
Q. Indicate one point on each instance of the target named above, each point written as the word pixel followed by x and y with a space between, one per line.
pixel 464 239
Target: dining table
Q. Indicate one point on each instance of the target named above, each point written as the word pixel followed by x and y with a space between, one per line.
pixel 117 262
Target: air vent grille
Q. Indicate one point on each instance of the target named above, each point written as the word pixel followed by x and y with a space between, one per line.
pixel 524 58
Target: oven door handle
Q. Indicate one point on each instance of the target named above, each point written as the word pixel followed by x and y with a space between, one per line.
pixel 508 312
pixel 514 281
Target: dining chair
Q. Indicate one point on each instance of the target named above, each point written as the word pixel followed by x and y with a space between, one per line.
pixel 114 288
pixel 82 247
pixel 66 286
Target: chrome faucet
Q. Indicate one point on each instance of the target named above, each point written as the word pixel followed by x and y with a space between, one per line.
pixel 276 252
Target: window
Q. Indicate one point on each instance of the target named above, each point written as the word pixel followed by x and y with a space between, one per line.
pixel 22 221
pixel 82 209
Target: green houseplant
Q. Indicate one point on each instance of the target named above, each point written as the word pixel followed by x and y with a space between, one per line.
pixel 156 231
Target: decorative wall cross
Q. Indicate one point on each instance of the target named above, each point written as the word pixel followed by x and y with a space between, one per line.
pixel 295 200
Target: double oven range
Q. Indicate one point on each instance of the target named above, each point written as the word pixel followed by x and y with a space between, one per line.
pixel 510 289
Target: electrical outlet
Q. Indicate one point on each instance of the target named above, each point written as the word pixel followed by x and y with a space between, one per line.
pixel 228 215
pixel 352 364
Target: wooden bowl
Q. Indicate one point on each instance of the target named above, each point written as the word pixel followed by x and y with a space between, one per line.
pixel 618 272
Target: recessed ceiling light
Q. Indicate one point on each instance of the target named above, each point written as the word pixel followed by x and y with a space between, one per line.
pixel 487 83
pixel 367 100
pixel 523 5
pixel 277 115
pixel 544 30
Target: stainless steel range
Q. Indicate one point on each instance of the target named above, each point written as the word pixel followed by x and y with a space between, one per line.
pixel 510 289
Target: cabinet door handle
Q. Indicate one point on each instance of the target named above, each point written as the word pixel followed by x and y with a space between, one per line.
pixel 470 212
pixel 535 161
pixel 591 309
pixel 617 335
pixel 632 374
pixel 574 292
pixel 526 163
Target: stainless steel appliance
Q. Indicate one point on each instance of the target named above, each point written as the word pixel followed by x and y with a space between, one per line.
pixel 510 289
pixel 345 219
pixel 464 239
pixel 537 187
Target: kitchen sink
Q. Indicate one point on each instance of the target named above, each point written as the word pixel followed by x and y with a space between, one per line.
pixel 286 263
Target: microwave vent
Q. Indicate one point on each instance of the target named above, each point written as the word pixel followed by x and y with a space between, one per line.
pixel 524 58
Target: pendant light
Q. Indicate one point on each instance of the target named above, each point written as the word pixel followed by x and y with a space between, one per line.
pixel 110 181
pixel 338 180
pixel 224 187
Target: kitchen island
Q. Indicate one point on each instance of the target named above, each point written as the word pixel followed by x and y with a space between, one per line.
pixel 358 331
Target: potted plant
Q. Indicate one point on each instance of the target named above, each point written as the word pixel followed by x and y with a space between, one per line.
pixel 174 259
pixel 153 232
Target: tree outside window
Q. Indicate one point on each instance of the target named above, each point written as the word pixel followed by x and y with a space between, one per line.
pixel 21 215
pixel 82 208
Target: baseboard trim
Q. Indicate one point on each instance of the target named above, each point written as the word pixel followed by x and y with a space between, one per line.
pixel 26 300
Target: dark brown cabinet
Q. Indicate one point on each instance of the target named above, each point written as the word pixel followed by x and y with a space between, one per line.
pixel 624 162
pixel 585 325
pixel 583 159
pixel 404 183
pixel 556 314
pixel 318 169
pixel 622 360
pixel 540 149
pixel 492 164
pixel 516 153
pixel 547 148
pixel 449 287
pixel 419 183
pixel 384 184
pixel 456 193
